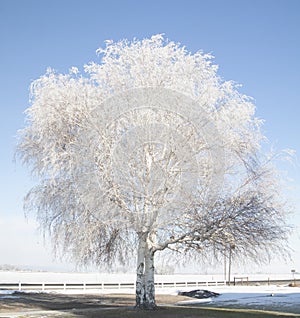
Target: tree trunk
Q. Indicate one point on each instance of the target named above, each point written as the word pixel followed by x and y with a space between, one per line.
pixel 149 279
pixel 140 277
pixel 145 289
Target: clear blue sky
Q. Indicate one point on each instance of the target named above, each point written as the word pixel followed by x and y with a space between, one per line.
pixel 255 43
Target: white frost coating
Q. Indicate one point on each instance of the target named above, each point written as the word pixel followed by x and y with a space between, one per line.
pixel 152 158
pixel 149 150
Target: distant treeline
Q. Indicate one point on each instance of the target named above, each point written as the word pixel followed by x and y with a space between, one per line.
pixel 17 268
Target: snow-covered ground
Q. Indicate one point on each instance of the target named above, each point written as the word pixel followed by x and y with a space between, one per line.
pixel 278 298
pixel 11 277
pixel 266 297
pixel 274 298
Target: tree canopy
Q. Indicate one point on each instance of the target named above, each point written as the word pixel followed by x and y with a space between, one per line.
pixel 147 150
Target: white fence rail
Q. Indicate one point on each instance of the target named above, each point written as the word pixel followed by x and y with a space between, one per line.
pixel 42 286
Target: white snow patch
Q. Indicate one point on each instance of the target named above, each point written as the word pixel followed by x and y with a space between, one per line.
pixel 6 292
pixel 278 298
pixel 194 301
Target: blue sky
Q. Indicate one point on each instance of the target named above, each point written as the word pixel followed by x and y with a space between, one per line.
pixel 255 43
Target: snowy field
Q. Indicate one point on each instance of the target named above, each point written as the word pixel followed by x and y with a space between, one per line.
pixel 30 277
pixel 271 298
pixel 264 297
pixel 277 298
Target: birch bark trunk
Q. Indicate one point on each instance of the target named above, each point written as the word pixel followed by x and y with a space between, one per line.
pixel 145 289
pixel 149 279
pixel 140 276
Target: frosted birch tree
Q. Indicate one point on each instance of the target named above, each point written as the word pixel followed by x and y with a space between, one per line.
pixel 142 153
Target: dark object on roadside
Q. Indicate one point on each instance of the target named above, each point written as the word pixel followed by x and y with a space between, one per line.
pixel 294 284
pixel 199 293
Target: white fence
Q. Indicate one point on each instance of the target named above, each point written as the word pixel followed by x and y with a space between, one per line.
pixel 99 282
pixel 46 286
